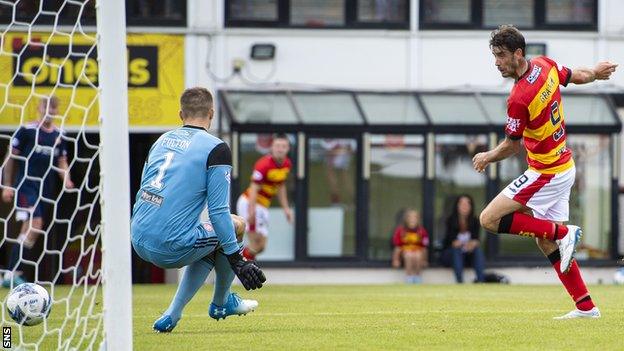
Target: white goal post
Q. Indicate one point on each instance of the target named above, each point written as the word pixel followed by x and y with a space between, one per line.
pixel 65 209
pixel 115 174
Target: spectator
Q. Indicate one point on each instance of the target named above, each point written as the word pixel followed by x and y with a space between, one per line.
pixel 410 241
pixel 461 243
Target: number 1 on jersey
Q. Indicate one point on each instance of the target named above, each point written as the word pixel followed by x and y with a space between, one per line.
pixel 157 182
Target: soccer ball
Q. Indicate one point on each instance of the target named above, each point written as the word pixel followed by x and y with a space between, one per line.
pixel 29 304
pixel 618 277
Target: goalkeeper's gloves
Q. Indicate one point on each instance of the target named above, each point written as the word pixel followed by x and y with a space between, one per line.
pixel 247 272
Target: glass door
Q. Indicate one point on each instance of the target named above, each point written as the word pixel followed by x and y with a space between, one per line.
pixel 331 217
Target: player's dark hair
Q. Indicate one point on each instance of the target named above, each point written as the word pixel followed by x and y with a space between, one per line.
pixel 281 136
pixel 196 102
pixel 453 220
pixel 508 37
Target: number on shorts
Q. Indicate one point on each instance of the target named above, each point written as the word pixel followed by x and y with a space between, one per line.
pixel 521 180
pixel 157 182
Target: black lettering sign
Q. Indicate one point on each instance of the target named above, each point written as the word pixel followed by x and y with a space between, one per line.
pixel 77 65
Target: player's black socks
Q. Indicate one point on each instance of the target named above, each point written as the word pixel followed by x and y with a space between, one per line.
pixel 14 259
pixel 554 257
pixel 504 226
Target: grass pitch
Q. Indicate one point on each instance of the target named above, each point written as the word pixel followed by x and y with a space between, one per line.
pixel 384 317
pixel 389 317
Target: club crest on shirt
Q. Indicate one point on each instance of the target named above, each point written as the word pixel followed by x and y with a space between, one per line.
pixel 534 74
pixel 257 175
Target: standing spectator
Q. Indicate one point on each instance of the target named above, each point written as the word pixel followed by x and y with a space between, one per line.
pixel 462 243
pixel 410 241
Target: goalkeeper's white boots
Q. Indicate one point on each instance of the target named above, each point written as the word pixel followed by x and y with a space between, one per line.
pixel 574 314
pixel 234 305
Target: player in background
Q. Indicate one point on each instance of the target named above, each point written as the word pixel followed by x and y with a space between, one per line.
pixel 536 203
pixel 186 170
pixel 269 175
pixel 35 148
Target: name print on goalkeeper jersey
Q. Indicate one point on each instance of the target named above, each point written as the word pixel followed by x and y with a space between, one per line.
pixel 186 169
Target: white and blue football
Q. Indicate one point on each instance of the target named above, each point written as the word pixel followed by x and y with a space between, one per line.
pixel 29 304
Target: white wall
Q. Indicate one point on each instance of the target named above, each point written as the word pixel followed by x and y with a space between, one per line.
pixel 378 59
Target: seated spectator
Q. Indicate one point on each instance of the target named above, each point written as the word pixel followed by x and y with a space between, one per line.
pixel 410 241
pixel 461 244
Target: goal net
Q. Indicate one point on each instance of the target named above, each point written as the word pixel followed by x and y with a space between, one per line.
pixel 57 174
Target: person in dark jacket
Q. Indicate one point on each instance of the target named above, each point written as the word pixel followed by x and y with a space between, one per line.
pixel 462 242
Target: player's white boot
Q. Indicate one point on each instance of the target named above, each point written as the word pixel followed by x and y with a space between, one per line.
pixel 567 247
pixel 234 305
pixel 593 313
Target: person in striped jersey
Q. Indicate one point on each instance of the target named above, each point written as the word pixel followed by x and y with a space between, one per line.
pixel 536 204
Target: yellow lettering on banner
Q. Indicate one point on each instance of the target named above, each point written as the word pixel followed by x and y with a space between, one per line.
pixel 139 74
pixel 544 95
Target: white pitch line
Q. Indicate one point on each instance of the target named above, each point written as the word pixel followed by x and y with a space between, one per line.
pixel 554 312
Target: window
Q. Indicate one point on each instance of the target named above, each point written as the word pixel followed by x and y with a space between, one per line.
pixel 327 108
pixel 261 108
pixel 396 180
pixel 138 12
pixel 391 109
pixel 524 14
pixel 27 11
pixel 345 14
pixel 253 10
pixel 332 168
pixel 382 11
pixel 445 12
pixel 570 11
pixel 252 147
pixel 155 13
pixel 317 13
pixel 519 13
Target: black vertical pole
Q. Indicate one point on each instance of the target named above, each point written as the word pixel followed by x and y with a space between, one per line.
pixel 361 202
pixel 428 191
pixel 301 202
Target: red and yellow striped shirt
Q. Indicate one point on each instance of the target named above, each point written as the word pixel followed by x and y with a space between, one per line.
pixel 535 113
pixel 270 176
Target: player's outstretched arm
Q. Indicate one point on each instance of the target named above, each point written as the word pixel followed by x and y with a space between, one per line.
pixel 7 176
pixel 503 150
pixel 282 196
pixel 254 188
pixel 602 71
pixel 64 172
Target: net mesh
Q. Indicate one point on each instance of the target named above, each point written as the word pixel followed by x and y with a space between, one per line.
pixel 44 51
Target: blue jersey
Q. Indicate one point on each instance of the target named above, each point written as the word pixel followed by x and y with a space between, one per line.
pixel 186 169
pixel 41 147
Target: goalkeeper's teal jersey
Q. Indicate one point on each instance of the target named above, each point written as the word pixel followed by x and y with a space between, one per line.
pixel 186 169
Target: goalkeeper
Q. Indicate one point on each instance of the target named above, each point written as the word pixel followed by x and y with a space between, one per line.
pixel 34 147
pixel 187 169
